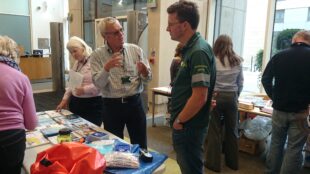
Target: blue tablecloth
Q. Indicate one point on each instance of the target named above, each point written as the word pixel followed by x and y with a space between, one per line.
pixel 145 168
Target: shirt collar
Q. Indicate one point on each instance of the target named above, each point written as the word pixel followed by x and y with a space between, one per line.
pixel 191 42
pixel 300 44
pixel 109 49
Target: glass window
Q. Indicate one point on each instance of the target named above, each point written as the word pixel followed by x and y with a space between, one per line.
pixel 308 14
pixel 283 32
pixel 88 36
pixel 279 17
pixel 104 9
pixel 248 35
pixel 96 9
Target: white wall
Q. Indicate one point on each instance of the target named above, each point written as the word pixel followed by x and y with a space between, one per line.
pixel 161 42
pixel 166 45
pixel 42 13
pixel 11 7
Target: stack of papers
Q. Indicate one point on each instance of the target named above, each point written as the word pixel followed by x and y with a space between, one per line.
pixel 268 107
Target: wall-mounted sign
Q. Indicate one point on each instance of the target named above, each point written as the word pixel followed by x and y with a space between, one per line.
pixel 151 4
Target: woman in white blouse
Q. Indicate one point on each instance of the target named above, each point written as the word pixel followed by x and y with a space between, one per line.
pixel 223 126
pixel 83 98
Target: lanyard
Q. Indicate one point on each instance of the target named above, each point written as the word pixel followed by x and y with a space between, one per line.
pixel 79 69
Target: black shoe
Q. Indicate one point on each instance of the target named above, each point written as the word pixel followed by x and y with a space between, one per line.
pixel 233 167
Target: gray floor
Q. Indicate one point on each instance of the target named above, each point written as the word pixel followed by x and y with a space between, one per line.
pixel 159 139
pixel 42 86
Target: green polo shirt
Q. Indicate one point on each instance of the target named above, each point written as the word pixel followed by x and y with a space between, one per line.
pixel 197 70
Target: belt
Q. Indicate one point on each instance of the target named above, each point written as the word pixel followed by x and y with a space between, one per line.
pixel 122 100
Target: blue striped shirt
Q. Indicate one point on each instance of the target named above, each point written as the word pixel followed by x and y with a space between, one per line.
pixel 110 83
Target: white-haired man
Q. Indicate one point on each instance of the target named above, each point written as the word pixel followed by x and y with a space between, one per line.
pixel 119 70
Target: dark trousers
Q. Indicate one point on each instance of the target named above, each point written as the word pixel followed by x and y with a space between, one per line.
pixel 90 109
pixel 12 150
pixel 226 107
pixel 129 112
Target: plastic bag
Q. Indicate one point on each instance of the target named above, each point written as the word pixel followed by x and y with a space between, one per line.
pixel 122 160
pixel 103 146
pixel 69 158
pixel 258 128
pixel 307 153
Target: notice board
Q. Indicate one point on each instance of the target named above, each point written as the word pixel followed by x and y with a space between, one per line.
pixel 17 27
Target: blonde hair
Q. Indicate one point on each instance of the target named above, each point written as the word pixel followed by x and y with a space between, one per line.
pixel 103 24
pixel 302 34
pixel 76 42
pixel 8 48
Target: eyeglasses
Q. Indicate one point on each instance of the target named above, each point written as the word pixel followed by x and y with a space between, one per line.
pixel 115 33
pixel 173 24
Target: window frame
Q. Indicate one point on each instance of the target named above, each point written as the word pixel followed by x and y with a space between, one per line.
pixel 308 18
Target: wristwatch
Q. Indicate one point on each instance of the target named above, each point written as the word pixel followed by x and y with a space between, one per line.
pixel 179 121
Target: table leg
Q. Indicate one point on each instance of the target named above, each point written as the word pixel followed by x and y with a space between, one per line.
pixel 153 109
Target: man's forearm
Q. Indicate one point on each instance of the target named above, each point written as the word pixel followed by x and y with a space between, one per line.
pixel 193 104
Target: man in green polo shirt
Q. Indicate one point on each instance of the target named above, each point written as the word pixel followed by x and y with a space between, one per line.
pixel 192 88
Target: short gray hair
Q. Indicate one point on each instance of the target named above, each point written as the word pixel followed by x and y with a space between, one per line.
pixel 103 24
pixel 8 48
pixel 76 42
pixel 304 35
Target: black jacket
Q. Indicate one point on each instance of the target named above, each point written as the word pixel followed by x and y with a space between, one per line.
pixel 286 78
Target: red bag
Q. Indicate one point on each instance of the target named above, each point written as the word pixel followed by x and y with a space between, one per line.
pixel 69 158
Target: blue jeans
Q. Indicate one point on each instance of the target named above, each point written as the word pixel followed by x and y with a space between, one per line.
pixel 188 145
pixel 292 126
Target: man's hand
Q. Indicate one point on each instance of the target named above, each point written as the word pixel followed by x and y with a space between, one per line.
pixel 115 61
pixel 213 104
pixel 176 125
pixel 142 69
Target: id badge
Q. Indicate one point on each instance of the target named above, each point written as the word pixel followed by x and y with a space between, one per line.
pixel 125 80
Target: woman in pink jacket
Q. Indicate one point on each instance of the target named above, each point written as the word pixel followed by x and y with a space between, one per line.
pixel 17 109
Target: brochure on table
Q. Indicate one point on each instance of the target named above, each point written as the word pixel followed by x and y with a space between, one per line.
pixel 49 124
pixel 51 121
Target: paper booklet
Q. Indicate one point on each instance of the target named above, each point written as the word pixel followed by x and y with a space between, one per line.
pixel 75 79
pixel 35 138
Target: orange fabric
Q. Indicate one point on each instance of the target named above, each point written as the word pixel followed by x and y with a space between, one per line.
pixel 69 158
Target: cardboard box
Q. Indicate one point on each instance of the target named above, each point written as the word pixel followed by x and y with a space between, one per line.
pixel 246 105
pixel 251 146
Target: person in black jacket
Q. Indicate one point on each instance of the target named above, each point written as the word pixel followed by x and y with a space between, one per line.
pixel 286 81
